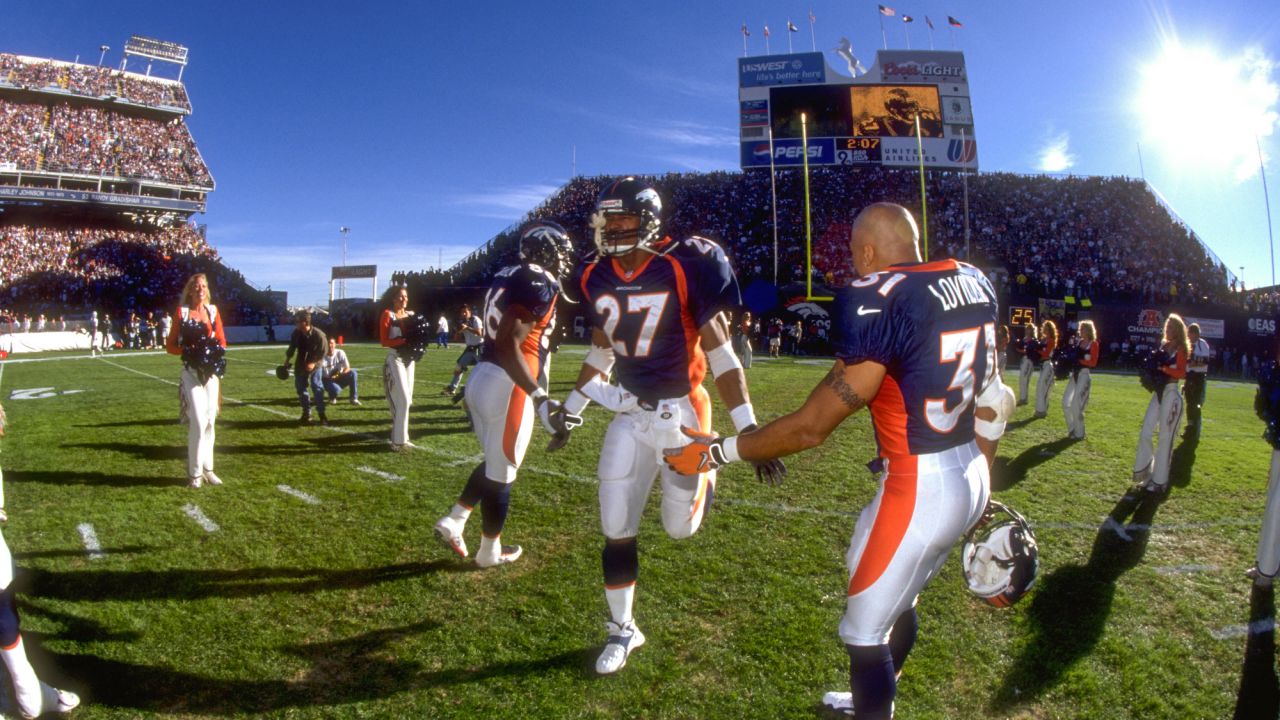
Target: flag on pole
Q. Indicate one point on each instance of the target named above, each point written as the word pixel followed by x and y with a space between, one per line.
pixel 812 18
pixel 792 26
pixel 907 19
pixel 887 11
pixel 954 22
pixel 766 31
pixel 745 31
pixel 928 22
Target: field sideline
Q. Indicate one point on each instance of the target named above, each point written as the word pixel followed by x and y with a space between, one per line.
pixel 310 584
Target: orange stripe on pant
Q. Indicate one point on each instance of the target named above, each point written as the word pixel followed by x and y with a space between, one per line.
pixel 515 412
pixel 897 504
pixel 701 402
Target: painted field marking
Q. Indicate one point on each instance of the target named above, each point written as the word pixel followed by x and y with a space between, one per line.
pixel 392 477
pixel 304 497
pixel 1257 627
pixel 1185 569
pixel 468 460
pixel 201 519
pixel 90 539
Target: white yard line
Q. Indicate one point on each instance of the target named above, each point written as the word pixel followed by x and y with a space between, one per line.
pixel 1257 627
pixel 392 477
pixel 195 513
pixel 1185 569
pixel 90 539
pixel 304 497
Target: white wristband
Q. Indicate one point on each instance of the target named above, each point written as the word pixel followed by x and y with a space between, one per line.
pixel 539 393
pixel 576 402
pixel 743 416
pixel 730 446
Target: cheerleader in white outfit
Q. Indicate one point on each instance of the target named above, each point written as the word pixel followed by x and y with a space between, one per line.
pixel 200 391
pixel 1076 397
pixel 1044 356
pixel 397 375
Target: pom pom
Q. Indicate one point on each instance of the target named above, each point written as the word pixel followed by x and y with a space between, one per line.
pixel 418 332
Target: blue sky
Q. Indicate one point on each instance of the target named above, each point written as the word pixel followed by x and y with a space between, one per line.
pixel 428 127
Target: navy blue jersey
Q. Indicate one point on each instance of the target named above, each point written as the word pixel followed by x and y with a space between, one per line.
pixel 534 289
pixel 933 326
pixel 652 316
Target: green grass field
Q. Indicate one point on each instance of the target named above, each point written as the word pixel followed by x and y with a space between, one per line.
pixel 346 606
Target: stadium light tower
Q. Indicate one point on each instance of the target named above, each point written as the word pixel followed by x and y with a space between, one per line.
pixel 103 54
pixel 342 286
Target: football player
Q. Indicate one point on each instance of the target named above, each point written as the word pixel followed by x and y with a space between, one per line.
pixel 654 304
pixel 916 343
pixel 503 395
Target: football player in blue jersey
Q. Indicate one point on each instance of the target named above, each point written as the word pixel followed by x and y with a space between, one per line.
pixel 916 343
pixel 657 311
pixel 503 395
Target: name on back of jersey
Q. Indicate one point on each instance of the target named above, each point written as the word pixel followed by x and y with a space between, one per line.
pixel 961 290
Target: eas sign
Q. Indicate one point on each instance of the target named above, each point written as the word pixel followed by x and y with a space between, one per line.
pixel 1262 326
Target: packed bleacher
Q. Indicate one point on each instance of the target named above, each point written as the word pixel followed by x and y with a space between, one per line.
pixel 90 81
pixel 88 139
pixel 1092 237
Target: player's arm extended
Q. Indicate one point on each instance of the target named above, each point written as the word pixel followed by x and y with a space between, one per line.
pixel 516 324
pixel 845 390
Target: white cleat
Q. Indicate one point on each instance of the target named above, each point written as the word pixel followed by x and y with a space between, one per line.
pixel 196 481
pixel 841 702
pixel 449 531
pixel 508 554
pixel 211 479
pixel 52 700
pixel 623 640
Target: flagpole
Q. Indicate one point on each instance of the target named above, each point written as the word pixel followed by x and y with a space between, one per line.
pixel 744 39
pixel 928 22
pixel 1266 200
pixel 789 48
pixel 808 232
pixel 773 192
pixel 884 39
pixel 964 178
pixel 1141 168
pixel 924 201
pixel 766 40
pixel 812 37
pixel 906 29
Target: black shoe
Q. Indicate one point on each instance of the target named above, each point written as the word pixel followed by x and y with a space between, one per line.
pixel 305 419
pixel 457 397
pixel 323 420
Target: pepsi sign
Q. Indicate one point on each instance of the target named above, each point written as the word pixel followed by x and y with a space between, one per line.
pixel 821 151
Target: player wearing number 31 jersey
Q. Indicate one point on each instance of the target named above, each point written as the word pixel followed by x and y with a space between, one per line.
pixel 916 343
pixel 654 305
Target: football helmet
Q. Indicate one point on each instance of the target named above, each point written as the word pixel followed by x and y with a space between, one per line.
pixel 627 196
pixel 1000 558
pixel 546 244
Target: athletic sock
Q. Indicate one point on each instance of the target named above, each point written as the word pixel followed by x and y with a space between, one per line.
pixel 621 562
pixel 494 503
pixel 903 637
pixel 872 681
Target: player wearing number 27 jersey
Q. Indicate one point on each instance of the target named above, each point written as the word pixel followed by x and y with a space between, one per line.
pixel 916 343
pixel 656 307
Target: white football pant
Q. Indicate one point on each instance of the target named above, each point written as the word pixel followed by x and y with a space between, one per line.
pixel 503 417
pixel 1025 368
pixel 397 380
pixel 925 504
pixel 631 458
pixel 1163 410
pixel 202 411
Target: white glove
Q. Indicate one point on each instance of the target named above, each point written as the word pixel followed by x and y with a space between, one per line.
pixel 546 408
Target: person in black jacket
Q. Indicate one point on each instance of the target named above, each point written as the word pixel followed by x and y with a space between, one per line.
pixel 310 344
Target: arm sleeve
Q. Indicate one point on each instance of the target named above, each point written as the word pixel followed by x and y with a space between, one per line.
pixel 1090 358
pixel 217 329
pixel 384 331
pixel 1178 369
pixel 712 286
pixel 171 342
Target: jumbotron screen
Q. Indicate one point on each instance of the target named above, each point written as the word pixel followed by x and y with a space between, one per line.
pixel 868 120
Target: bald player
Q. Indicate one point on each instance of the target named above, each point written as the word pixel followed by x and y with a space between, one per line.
pixel 915 342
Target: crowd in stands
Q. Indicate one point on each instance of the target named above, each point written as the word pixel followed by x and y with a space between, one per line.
pixel 90 81
pixel 1090 237
pixel 98 141
pixel 49 268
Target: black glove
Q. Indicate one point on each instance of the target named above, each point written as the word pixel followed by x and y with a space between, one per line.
pixel 562 423
pixel 770 472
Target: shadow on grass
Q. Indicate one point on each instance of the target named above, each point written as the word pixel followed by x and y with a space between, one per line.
pixel 1181 462
pixel 143 452
pixel 1014 425
pixel 1070 606
pixel 1007 473
pixel 118 551
pixel 74 477
pixel 1259 688
pixel 153 422
pixel 198 584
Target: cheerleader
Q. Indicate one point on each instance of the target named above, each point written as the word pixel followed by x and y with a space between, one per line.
pixel 201 383
pixel 1044 355
pixel 397 374
pixel 1151 471
pixel 1076 395
pixel 1026 346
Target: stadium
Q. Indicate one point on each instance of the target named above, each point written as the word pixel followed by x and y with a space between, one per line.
pixel 312 584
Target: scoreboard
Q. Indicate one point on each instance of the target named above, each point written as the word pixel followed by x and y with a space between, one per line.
pixel 868 120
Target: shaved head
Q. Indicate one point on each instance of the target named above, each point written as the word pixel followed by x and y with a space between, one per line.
pixel 883 234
